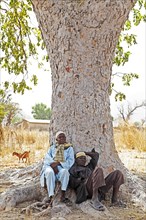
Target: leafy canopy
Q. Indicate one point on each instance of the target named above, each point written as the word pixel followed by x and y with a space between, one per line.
pixel 20 41
pixel 126 38
pixel 41 111
pixel 18 44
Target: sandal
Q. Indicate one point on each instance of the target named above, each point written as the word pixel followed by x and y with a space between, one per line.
pixel 66 201
pixel 98 207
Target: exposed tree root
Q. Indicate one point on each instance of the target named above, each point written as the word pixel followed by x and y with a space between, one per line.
pixel 45 212
pixel 26 187
pixel 137 190
pixel 37 206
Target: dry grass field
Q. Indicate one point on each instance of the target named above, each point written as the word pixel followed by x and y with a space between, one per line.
pixel 19 141
pixel 130 144
pixel 128 140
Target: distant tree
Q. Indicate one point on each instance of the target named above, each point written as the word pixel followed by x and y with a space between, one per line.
pixel 41 111
pixel 12 110
pixel 17 118
pixel 139 123
pixel 127 112
pixel 8 109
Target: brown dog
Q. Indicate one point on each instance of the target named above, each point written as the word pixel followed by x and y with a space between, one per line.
pixel 22 156
pixel 25 156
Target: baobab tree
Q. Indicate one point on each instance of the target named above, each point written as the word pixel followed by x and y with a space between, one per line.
pixel 81 37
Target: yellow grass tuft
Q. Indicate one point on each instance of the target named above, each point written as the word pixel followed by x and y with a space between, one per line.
pixel 130 138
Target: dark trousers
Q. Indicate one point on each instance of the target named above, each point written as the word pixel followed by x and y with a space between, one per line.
pixel 97 180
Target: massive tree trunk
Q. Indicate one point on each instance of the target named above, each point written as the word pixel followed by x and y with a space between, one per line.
pixel 81 36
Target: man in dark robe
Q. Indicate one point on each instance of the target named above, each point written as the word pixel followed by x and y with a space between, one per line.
pixel 88 181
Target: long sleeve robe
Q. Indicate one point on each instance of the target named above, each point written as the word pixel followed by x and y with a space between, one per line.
pixel 49 158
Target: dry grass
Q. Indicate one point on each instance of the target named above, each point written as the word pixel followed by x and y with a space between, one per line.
pixel 22 140
pixel 38 143
pixel 126 138
pixel 130 138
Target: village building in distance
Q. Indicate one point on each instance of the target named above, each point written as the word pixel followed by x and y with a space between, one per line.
pixel 33 124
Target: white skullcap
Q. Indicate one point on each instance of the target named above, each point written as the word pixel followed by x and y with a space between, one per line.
pixel 58 133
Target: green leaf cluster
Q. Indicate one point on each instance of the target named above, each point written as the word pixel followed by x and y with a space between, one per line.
pixel 138 15
pixel 126 78
pixel 17 42
pixel 128 39
pixel 41 111
pixel 120 96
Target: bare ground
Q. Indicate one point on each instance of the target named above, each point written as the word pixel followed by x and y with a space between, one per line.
pixel 130 212
pixel 136 163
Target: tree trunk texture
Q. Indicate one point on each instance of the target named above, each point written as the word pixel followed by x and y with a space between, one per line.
pixel 80 36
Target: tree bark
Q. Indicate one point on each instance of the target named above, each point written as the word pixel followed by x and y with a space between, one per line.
pixel 81 37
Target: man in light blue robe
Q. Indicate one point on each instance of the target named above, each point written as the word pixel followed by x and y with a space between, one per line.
pixel 57 162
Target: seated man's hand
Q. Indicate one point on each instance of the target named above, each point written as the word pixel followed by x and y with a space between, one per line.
pixel 55 170
pixel 54 166
pixel 93 154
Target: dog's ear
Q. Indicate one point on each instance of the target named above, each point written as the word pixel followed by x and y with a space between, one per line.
pixel 93 150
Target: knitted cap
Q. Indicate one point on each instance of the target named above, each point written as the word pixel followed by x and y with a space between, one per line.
pixel 80 154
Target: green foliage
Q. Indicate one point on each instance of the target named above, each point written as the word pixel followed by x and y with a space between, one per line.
pixel 128 77
pixel 12 109
pixel 16 119
pixel 120 96
pixel 17 42
pixel 122 56
pixel 41 111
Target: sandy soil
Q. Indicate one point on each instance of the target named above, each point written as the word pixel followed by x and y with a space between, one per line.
pixel 131 212
pixel 128 213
